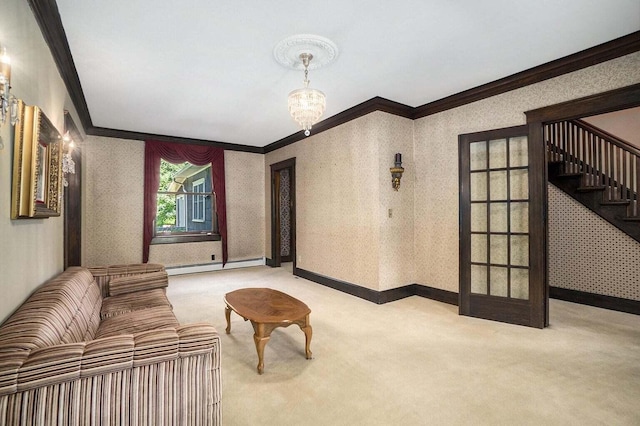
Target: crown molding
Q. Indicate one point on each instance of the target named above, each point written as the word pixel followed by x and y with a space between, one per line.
pixel 125 134
pixel 583 59
pixel 374 104
pixel 48 18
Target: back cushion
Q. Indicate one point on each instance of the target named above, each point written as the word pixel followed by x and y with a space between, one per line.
pixel 65 309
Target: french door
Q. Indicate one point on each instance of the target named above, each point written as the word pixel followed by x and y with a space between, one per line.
pixel 502 227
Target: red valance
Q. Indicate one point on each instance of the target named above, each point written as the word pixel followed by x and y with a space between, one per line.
pixel 176 153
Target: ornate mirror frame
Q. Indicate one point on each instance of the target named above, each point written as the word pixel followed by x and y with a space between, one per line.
pixel 37 166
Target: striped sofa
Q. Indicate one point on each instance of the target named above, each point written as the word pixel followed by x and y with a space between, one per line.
pixel 101 346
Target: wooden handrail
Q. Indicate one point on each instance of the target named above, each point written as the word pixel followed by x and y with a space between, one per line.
pixel 608 136
pixel 604 159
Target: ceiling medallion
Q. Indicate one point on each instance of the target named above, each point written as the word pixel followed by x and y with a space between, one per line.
pixel 306 105
pixel 287 52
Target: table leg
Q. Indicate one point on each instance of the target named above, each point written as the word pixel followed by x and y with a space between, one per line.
pixel 261 341
pixel 227 313
pixel 308 332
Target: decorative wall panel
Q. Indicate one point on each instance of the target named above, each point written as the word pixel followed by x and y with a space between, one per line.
pixel 285 213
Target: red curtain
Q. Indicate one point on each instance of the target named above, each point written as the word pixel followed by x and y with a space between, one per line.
pixel 199 155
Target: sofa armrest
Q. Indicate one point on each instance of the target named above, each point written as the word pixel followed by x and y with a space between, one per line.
pixel 197 339
pixel 140 282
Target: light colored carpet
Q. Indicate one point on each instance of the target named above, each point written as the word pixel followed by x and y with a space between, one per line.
pixel 416 361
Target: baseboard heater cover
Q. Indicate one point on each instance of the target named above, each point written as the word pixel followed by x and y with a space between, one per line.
pixel 214 266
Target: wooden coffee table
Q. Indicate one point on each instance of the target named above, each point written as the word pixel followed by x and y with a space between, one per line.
pixel 268 309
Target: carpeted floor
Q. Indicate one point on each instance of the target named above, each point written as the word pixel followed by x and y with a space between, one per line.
pixel 416 361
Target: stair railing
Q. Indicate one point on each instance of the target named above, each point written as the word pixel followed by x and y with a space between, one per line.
pixel 605 160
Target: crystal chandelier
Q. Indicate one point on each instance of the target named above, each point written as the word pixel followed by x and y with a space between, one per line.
pixel 306 105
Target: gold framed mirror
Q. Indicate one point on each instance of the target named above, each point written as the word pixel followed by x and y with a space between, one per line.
pixel 37 166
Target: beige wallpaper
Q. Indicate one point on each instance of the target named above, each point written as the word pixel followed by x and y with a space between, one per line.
pixel 113 185
pixel 112 194
pixel 31 250
pixel 245 205
pixel 436 157
pixel 343 188
pixel 587 253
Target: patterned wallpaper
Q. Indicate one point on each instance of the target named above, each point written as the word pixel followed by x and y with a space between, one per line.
pixel 587 253
pixel 112 194
pixel 436 157
pixel 343 194
pixel 113 185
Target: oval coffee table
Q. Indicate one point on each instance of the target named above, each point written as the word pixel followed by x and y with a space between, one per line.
pixel 268 309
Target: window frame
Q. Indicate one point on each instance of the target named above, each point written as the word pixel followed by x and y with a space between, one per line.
pixel 190 236
pixel 198 201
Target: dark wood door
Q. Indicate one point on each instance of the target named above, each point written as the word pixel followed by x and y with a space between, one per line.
pixel 502 227
pixel 283 214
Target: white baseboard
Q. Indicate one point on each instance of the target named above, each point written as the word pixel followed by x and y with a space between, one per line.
pixel 208 267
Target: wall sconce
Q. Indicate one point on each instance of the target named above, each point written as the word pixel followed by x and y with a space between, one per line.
pixel 396 172
pixel 8 102
pixel 68 165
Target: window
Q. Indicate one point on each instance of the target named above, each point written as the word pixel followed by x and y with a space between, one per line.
pixel 198 207
pixel 185 204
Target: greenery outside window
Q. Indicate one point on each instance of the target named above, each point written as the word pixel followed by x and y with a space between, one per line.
pixel 185 208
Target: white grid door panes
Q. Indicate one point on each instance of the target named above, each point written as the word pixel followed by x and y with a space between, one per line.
pixel 499 192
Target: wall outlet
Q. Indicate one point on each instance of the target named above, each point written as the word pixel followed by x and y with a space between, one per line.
pixel 390 213
pixel 213 257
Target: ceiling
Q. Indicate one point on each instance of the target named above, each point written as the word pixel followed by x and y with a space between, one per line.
pixel 205 69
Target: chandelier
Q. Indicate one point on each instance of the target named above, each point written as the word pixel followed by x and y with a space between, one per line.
pixel 306 105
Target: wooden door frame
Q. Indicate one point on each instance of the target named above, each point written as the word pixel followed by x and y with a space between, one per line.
pixel 275 260
pixel 600 103
pixel 72 202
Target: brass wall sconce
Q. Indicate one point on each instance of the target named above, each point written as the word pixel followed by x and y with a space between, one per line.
pixel 8 102
pixel 396 172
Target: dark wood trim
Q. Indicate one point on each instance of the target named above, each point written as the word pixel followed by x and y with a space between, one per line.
pixel 269 262
pixel 600 103
pixel 586 58
pixel 372 105
pixel 48 18
pixel 124 134
pixel 598 300
pixel 380 297
pixel 73 202
pixel 444 296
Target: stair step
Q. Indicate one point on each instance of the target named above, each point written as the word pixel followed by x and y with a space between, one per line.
pixel 570 175
pixel 631 219
pixel 615 203
pixel 591 188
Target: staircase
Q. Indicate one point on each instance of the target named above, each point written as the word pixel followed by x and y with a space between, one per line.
pixel 598 170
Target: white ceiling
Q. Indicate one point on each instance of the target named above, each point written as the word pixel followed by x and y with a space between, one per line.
pixel 205 69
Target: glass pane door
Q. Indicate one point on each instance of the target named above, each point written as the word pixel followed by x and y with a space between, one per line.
pixel 495 204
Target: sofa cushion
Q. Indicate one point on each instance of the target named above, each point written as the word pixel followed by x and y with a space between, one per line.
pixel 121 304
pixel 137 321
